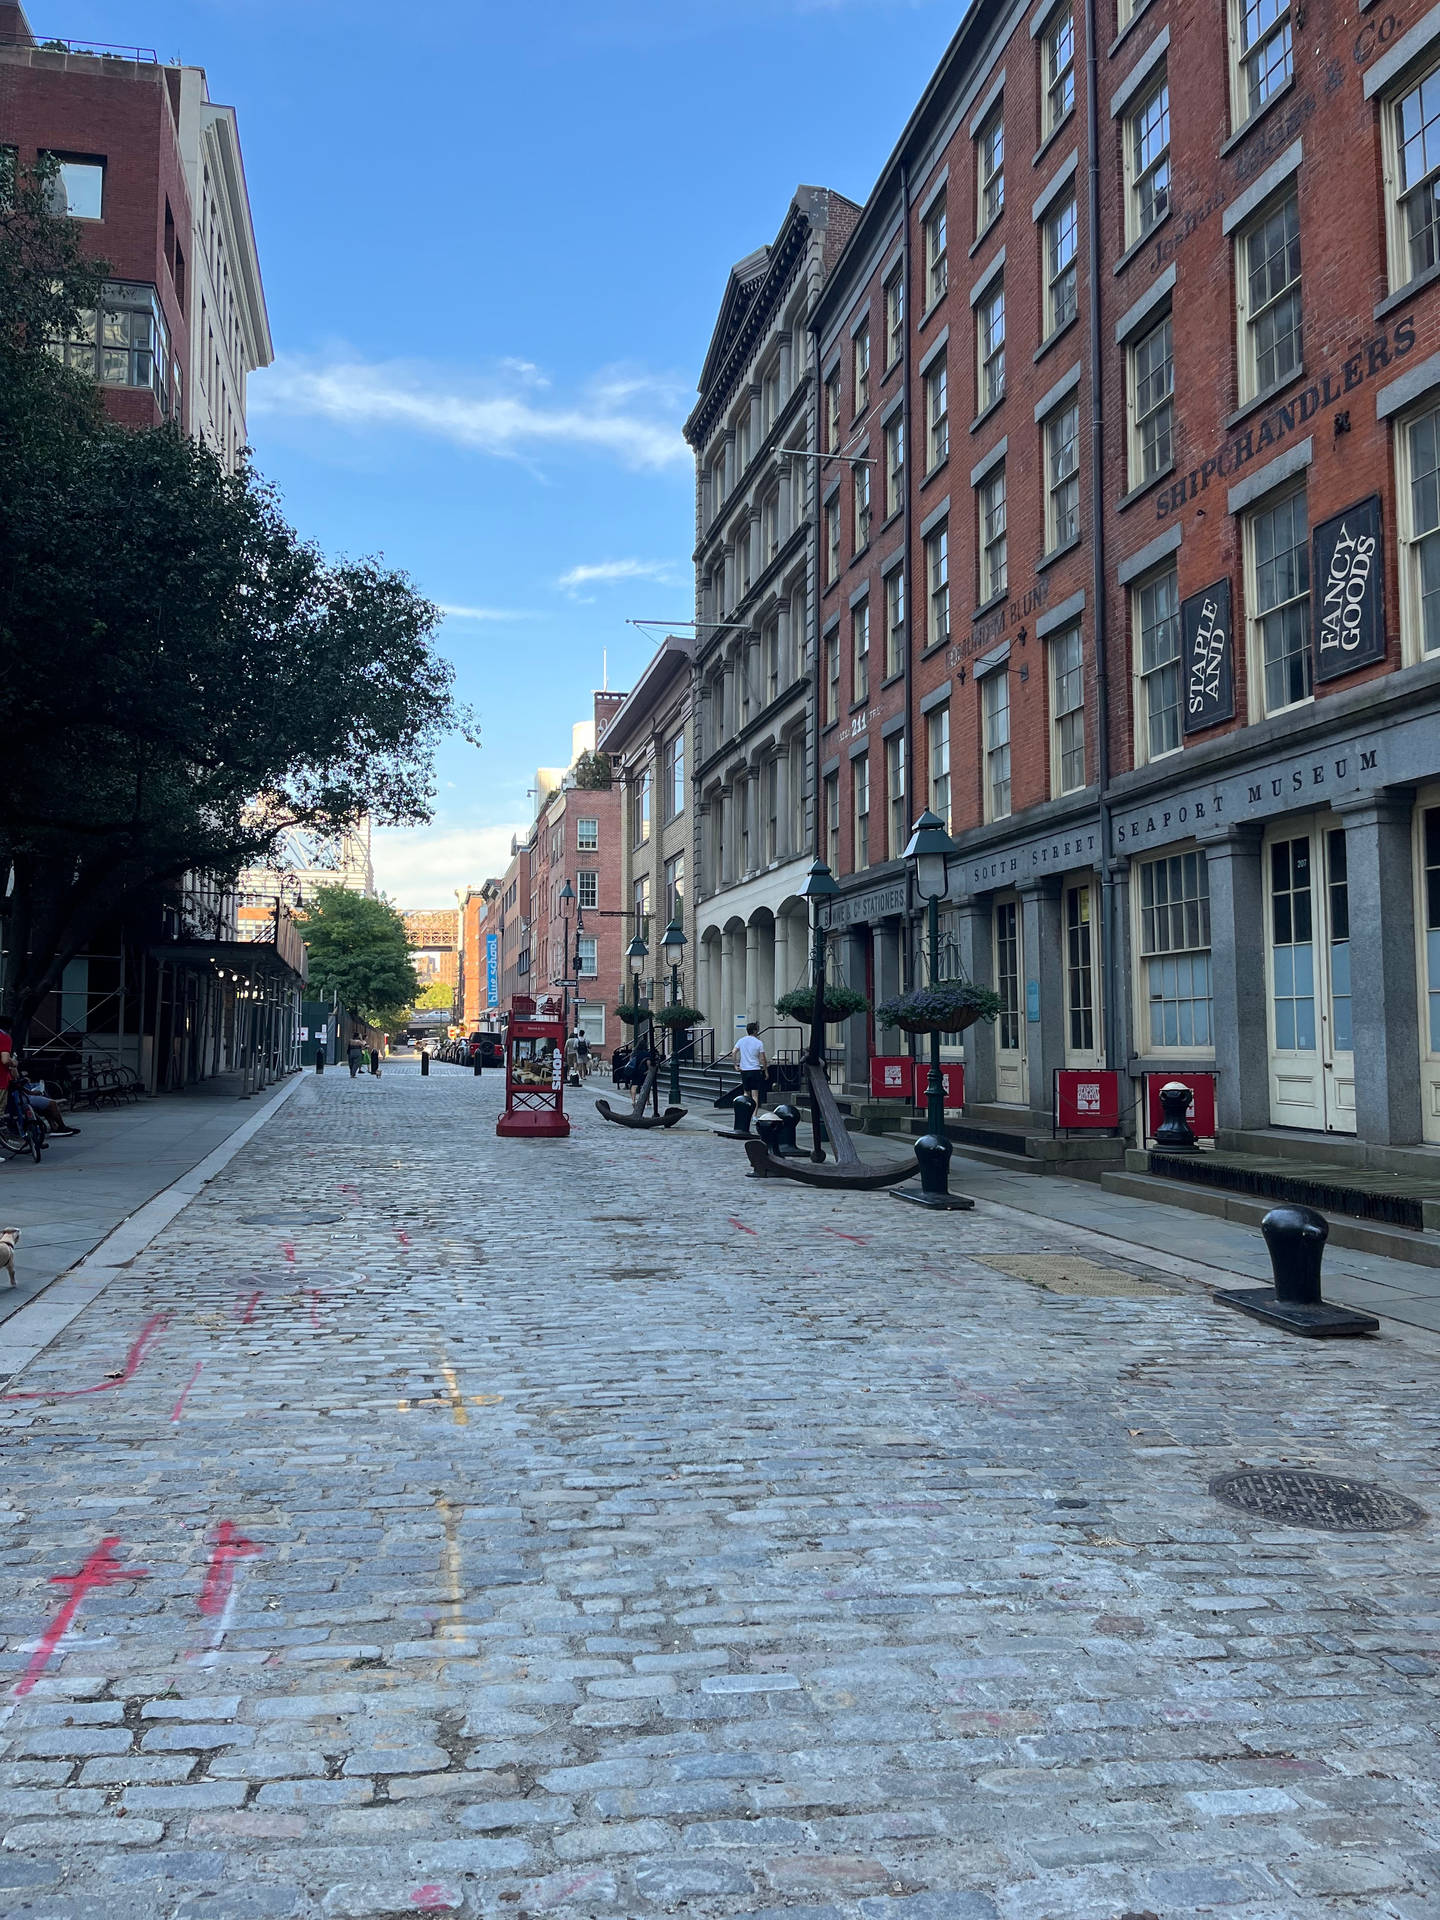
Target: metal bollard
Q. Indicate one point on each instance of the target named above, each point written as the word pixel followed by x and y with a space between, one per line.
pixel 1175 1134
pixel 478 1063
pixel 769 1126
pixel 424 1064
pixel 744 1108
pixel 320 1058
pixel 1295 1237
pixel 789 1118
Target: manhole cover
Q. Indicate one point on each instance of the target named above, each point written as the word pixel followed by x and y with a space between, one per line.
pixel 1297 1497
pixel 1065 1273
pixel 290 1218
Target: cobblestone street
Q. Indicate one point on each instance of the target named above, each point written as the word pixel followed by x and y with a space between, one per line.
pixel 585 1528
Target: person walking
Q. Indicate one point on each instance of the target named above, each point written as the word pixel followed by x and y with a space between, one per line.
pixel 583 1049
pixel 748 1053
pixel 355 1057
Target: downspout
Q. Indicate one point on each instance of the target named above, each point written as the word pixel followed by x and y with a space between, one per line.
pixel 906 570
pixel 1110 944
pixel 813 598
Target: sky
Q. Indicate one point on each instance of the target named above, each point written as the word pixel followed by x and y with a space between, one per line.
pixel 494 238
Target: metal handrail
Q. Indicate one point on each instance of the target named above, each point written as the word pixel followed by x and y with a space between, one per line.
pixel 56 43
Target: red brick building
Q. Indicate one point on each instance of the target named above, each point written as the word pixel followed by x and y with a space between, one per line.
pixel 1128 527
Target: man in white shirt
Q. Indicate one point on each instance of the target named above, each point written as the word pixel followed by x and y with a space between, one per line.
pixel 749 1052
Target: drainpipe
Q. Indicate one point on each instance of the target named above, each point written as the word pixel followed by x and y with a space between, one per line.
pixel 1111 947
pixel 812 598
pixel 906 570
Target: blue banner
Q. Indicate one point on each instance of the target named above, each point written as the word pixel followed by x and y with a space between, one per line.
pixel 492 969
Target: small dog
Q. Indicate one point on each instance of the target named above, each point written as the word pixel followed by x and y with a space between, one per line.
pixel 9 1240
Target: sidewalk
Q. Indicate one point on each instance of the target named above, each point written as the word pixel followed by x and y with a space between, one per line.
pixel 84 1188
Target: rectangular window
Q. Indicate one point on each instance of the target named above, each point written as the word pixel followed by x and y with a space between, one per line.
pixel 1419 446
pixel 861 484
pixel 642 807
pixel 588 950
pixel 1269 285
pixel 832 540
pixel 937 259
pixel 744 560
pixel 770 396
pixel 1155 619
pixel 675 775
pixel 832 413
pixel 770 528
pixel 894 464
pixel 990 345
pixel 1067 712
pixel 860 786
pixel 675 887
pixel 587 835
pixel 1152 404
pixel 772 810
pixel 1278 549
pixel 79 189
pixel 1175 950
pixel 860 651
pixel 771 647
pixel 1059 69
pixel 1147 161
pixel 894 318
pixel 1263 52
pixel 860 350
pixel 642 905
pixel 995 705
pixel 832 820
pixel 1415 177
pixel 742 443
pixel 994 557
pixel 990 170
pixel 832 676
pixel 937 416
pixel 1062 477
pixel 1061 235
pixel 587 888
pixel 1079 970
pixel 895 794
pixel 937 578
pixel 122 343
pixel 894 621
pixel 937 760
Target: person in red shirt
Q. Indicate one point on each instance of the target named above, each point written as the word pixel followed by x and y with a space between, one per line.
pixel 48 1109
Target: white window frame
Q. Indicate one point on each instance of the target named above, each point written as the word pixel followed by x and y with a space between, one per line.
pixel 830 788
pixel 992 522
pixel 1279 28
pixel 1066 651
pixel 860 369
pixel 587 896
pixel 831 662
pixel 675 775
pixel 995 743
pixel 1412 617
pixel 894 317
pixel 990 170
pixel 588 948
pixel 1142 391
pixel 1401 262
pixel 937 586
pixel 1155 169
pixel 1062 278
pixel 897 821
pixel 1059 74
pixel 990 347
pixel 937 414
pixel 1194 908
pixel 1258 701
pixel 832 412
pixel 860 652
pixel 587 835
pixel 860 518
pixel 1248 318
pixel 937 255
pixel 860 812
pixel 937 761
pixel 1171 666
pixel 894 621
pixel 832 540
pixel 770 539
pixel 894 464
pixel 1061 440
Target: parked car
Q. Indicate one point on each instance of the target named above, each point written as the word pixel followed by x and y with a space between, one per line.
pixel 490 1046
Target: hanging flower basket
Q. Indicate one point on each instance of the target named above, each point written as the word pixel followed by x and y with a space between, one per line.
pixel 626 1013
pixel 950 1006
pixel 840 1003
pixel 681 1016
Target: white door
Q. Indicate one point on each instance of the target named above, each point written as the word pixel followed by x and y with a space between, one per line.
pixel 1083 1044
pixel 1011 1079
pixel 1427 868
pixel 1312 1064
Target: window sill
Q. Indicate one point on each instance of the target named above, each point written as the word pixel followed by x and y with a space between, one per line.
pixel 890 371
pixel 989 606
pixel 985 232
pixel 982 417
pixel 859 553
pixel 934 307
pixel 939 467
pixel 829 727
pixel 1057 553
pixel 1128 28
pixel 856 418
pixel 1137 247
pixel 1264 399
pixel 935 646
pixel 891 678
pixel 1403 295
pixel 1139 493
pixel 1059 334
pixel 1053 135
pixel 1243 133
pixel 1278 713
pixel 889 520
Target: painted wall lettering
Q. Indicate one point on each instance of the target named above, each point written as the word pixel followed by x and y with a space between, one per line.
pixel 1347 578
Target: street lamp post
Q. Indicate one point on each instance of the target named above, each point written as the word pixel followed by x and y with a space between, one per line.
pixel 929 849
pixel 567 894
pixel 674 948
pixel 637 953
pixel 820 888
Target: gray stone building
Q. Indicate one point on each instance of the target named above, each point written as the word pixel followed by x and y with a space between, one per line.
pixel 754 430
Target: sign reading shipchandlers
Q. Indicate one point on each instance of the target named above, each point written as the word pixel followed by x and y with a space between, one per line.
pixel 1209 657
pixel 1348 584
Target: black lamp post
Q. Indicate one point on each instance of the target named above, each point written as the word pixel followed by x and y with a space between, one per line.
pixel 929 849
pixel 567 894
pixel 637 953
pixel 820 888
pixel 674 949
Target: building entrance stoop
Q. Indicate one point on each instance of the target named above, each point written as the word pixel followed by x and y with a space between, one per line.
pixel 1004 1136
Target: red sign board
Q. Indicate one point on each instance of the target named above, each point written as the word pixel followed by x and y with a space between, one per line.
pixel 1087 1097
pixel 1202 1110
pixel 891 1076
pixel 953 1073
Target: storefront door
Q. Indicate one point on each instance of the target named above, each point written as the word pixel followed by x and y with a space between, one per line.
pixel 1312 1065
pixel 1427 867
pixel 1083 1044
pixel 1011 1080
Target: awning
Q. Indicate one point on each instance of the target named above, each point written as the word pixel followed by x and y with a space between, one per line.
pixel 232 956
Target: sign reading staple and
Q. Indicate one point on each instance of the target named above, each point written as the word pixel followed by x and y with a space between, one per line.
pixel 1348 585
pixel 1209 657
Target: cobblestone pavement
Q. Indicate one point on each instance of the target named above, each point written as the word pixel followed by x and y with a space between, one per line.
pixel 584 1528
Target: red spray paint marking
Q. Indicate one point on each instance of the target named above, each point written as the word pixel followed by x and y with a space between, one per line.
pixel 315 1297
pixel 289 1246
pixel 250 1305
pixel 100 1570
pixel 742 1226
pixel 139 1347
pixel 229 1547
pixel 845 1236
pixel 402 1236
pixel 179 1406
pixel 434 1899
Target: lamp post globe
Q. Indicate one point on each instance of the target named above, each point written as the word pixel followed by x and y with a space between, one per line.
pixel 927 857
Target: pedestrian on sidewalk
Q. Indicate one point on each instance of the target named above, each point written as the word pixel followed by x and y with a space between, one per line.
pixel 355 1056
pixel 749 1054
pixel 583 1049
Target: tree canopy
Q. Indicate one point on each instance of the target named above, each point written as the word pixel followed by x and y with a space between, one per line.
pixel 359 950
pixel 435 997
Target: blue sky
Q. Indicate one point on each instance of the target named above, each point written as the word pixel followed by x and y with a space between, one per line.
pixel 494 238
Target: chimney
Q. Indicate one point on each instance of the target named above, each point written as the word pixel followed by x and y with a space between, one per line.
pixel 607 705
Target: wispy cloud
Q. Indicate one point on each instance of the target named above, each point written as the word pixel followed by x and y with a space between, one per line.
pixel 606 572
pixel 489 613
pixel 423 866
pixel 628 414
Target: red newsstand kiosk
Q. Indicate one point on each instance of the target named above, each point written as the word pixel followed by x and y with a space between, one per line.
pixel 534 1077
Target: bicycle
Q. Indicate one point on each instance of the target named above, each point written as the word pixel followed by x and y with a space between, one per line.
pixel 21 1128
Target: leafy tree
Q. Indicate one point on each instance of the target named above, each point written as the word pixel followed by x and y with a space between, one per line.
pixel 593 772
pixel 435 997
pixel 182 678
pixel 359 951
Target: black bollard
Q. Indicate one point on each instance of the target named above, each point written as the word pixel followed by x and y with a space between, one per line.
pixel 1295 1237
pixel 478 1063
pixel 789 1118
pixel 320 1058
pixel 932 1156
pixel 1175 1134
pixel 769 1126
pixel 424 1064
pixel 744 1109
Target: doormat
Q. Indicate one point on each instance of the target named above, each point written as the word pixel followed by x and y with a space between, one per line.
pixel 1067 1273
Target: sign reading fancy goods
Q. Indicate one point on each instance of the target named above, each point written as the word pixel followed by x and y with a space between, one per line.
pixel 1347 582
pixel 1209 657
